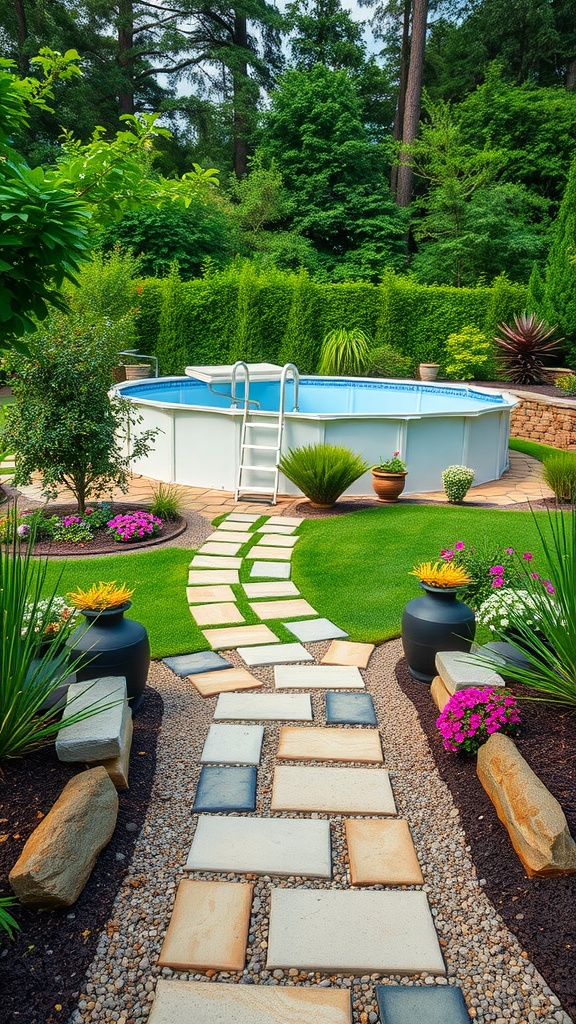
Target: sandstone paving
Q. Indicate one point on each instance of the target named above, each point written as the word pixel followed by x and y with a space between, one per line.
pixel 276 529
pixel 282 609
pixel 279 540
pixel 228 537
pixel 273 570
pixel 265 707
pixel 209 684
pixel 284 521
pixel 216 614
pixel 264 552
pixel 209 595
pixel 240 636
pixel 233 526
pixel 199 578
pixel 280 588
pixel 312 788
pixel 382 853
pixel 275 655
pixel 299 743
pixel 215 562
pixel 242 517
pixel 265 846
pixel 317 677
pixel 220 548
pixel 319 629
pixel 209 926
pixel 232 744
pixel 188 1002
pixel 344 652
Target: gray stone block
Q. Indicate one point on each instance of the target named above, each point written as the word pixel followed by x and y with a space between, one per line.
pixel 458 671
pixel 98 737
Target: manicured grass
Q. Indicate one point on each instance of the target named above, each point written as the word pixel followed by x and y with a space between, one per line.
pixel 355 569
pixel 533 448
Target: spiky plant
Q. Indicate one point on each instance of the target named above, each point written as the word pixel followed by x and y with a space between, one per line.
pixel 525 348
pixel 322 471
pixel 441 574
pixel 344 353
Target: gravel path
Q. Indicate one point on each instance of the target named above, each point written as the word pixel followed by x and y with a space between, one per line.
pixel 483 957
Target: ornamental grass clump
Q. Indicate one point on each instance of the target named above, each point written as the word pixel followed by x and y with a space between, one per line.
pixel 441 574
pixel 457 481
pixel 344 353
pixel 101 596
pixel 560 474
pixel 471 716
pixel 322 471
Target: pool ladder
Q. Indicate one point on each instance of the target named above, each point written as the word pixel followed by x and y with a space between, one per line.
pixel 261 459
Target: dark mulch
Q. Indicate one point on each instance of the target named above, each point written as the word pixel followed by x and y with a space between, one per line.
pixel 103 543
pixel 539 911
pixel 43 968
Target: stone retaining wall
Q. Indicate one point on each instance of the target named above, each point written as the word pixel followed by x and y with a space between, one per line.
pixel 547 420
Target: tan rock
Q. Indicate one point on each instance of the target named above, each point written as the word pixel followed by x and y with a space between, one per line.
pixel 439 693
pixel 58 858
pixel 118 767
pixel 533 817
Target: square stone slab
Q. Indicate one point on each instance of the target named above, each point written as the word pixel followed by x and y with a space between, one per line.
pixel 216 614
pixel 344 652
pixel 317 677
pixel 240 636
pixel 199 578
pixel 304 744
pixel 233 744
pixel 219 549
pixel 405 1004
pixel 222 682
pixel 382 853
pixel 264 707
pixel 214 562
pixel 275 570
pixel 209 927
pixel 193 664
pixel 264 552
pixel 319 629
pixel 192 1002
pixel 225 789
pixel 279 540
pixel 350 709
pixel 332 790
pixel 277 530
pixel 227 526
pixel 353 932
pixel 280 655
pixel 458 672
pixel 282 609
pixel 242 517
pixel 98 737
pixel 209 595
pixel 284 521
pixel 265 846
pixel 279 589
pixel 227 537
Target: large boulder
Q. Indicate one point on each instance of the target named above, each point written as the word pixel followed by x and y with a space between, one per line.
pixel 533 817
pixel 58 858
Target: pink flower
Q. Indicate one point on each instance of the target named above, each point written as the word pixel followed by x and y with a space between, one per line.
pixel 447 555
pixel 549 588
pixel 527 556
pixel 459 545
pixel 497 581
pixel 496 570
pixel 395 454
pixel 534 575
pixel 509 551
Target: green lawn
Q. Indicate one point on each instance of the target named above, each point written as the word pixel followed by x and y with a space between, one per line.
pixel 533 448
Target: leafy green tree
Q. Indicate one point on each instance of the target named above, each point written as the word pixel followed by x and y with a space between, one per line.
pixel 323 32
pixel 559 300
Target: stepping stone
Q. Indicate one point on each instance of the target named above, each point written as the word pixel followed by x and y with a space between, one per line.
pixel 319 629
pixel 214 562
pixel 458 672
pixel 240 636
pixel 224 681
pixel 279 589
pixel 404 1004
pixel 353 932
pixel 264 846
pixel 282 609
pixel 198 578
pixel 264 707
pixel 233 527
pixel 316 744
pixel 332 790
pixel 192 1002
pixel 382 853
pixel 242 517
pixel 276 530
pixel 99 737
pixel 317 677
pixel 219 549
pixel 275 570
pixel 193 664
pixel 350 709
pixel 284 521
pixel 216 614
pixel 225 789
pixel 233 744
pixel 344 652
pixel 209 595
pixel 209 927
pixel 278 540
pixel 227 537
pixel 280 655
pixel 263 552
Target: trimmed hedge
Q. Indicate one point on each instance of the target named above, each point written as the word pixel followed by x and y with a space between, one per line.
pixel 270 316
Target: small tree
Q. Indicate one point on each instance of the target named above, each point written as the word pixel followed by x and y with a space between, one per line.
pixel 64 424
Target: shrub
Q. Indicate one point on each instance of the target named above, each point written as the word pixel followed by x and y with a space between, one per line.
pixel 457 482
pixel 471 716
pixel 387 361
pixel 322 471
pixel 567 383
pixel 167 501
pixel 479 562
pixel 467 354
pixel 525 349
pixel 344 353
pixel 560 474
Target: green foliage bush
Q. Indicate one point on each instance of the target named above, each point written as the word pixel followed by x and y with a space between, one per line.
pixel 344 353
pixel 387 361
pixel 560 475
pixel 567 383
pixel 467 354
pixel 322 471
pixel 457 481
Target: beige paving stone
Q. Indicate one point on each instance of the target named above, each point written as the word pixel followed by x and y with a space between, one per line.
pixel 263 846
pixel 209 595
pixel 317 677
pixel 282 609
pixel 198 578
pixel 264 707
pixel 209 927
pixel 382 853
pixel 344 652
pixel 284 521
pixel 316 744
pixel 279 540
pixel 286 530
pixel 191 1002
pixel 209 684
pixel 219 548
pixel 228 526
pixel 216 614
pixel 239 636
pixel 310 788
pixel 227 537
pixel 276 588
pixel 263 552
pixel 243 517
pixel 215 562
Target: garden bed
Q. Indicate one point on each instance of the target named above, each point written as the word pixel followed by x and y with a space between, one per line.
pixel 104 543
pixel 539 911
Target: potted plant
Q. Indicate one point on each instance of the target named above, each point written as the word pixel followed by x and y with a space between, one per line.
pixel 110 645
pixel 428 371
pixel 389 478
pixel 437 621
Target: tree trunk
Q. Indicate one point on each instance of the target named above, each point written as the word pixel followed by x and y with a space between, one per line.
pixel 23 62
pixel 413 99
pixel 240 82
pixel 571 75
pixel 399 115
pixel 125 46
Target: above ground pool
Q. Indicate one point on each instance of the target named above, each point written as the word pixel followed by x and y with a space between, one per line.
pixel 432 426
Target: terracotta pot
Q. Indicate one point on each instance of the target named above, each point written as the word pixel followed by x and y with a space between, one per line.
pixel 388 486
pixel 137 372
pixel 428 371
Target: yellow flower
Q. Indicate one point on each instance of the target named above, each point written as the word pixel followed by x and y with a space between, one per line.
pixel 101 596
pixel 441 574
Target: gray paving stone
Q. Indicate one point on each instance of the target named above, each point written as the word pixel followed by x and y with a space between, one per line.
pixel 190 1002
pixel 317 677
pixel 458 672
pixel 265 846
pixel 264 707
pixel 99 737
pixel 274 570
pixel 225 789
pixel 405 1004
pixel 318 629
pixel 350 709
pixel 242 517
pixel 283 654
pixel 193 664
pixel 214 562
pixel 354 932
pixel 271 589
pixel 309 788
pixel 232 744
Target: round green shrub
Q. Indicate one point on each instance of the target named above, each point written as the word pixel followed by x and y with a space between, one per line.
pixel 457 482
pixel 387 361
pixel 322 471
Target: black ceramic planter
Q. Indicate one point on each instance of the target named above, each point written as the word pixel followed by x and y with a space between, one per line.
pixel 437 621
pixel 113 646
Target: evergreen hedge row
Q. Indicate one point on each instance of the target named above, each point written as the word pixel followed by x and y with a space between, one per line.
pixel 269 316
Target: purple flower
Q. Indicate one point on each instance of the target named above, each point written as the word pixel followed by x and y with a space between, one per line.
pixel 509 551
pixel 459 545
pixel 498 581
pixel 23 530
pixel 534 575
pixel 496 570
pixel 447 555
pixel 527 556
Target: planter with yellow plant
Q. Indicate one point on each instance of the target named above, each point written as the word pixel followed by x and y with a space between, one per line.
pixel 437 621
pixel 110 645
